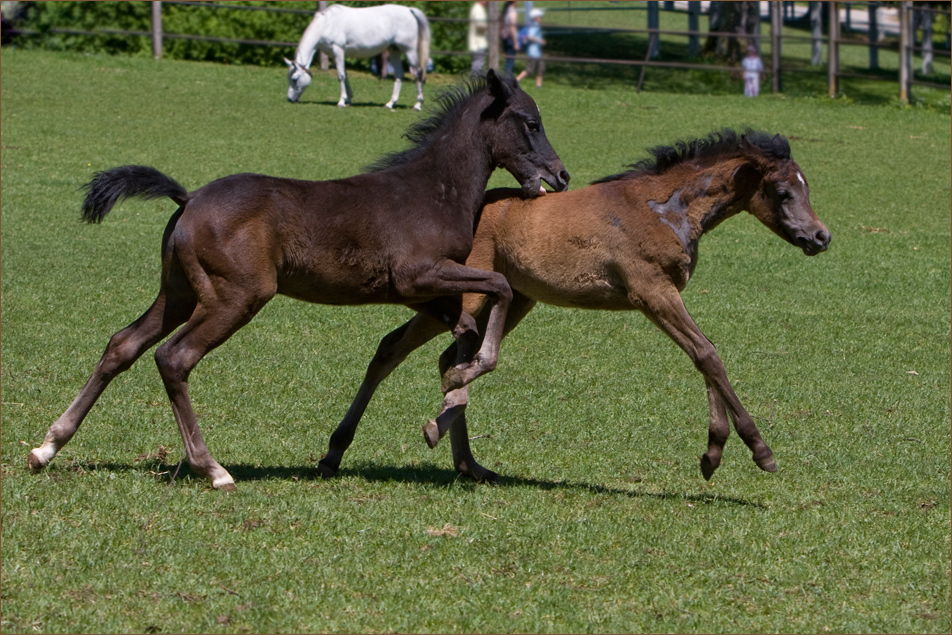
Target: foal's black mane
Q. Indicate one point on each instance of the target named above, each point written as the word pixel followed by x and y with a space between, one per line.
pixel 723 143
pixel 421 134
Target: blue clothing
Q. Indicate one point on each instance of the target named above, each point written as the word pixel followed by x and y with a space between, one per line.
pixel 534 47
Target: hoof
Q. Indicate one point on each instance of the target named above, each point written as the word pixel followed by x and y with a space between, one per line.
pixel 418 107
pixel 224 484
pixel 766 462
pixel 487 476
pixel 477 472
pixel 35 462
pixel 707 467
pixel 325 470
pixel 431 433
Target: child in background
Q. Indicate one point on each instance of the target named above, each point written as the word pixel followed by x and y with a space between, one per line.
pixel 753 67
pixel 534 44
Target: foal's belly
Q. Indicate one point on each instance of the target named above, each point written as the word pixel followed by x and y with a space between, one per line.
pixel 596 288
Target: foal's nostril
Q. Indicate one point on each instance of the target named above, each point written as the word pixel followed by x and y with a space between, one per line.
pixel 564 177
pixel 823 237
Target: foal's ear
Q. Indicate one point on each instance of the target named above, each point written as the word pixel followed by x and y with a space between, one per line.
pixel 747 174
pixel 497 86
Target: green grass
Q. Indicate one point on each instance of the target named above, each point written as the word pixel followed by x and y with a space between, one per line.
pixel 596 420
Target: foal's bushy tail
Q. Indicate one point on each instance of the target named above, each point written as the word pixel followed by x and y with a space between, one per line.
pixel 111 186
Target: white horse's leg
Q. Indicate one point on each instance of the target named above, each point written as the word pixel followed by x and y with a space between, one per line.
pixel 345 94
pixel 395 59
pixel 416 70
pixel 419 90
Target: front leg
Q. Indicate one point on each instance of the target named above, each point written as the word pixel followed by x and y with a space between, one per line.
pixel 717 433
pixel 345 94
pixel 449 279
pixel 667 311
pixel 393 349
pixel 397 79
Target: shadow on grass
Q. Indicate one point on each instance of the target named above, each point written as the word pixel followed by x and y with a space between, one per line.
pixel 425 474
pixel 356 104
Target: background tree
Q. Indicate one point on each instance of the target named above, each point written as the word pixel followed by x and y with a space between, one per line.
pixel 742 18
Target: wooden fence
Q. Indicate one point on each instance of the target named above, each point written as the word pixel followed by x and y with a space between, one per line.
pixel 778 15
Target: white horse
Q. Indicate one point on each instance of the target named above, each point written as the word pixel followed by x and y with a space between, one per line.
pixel 339 30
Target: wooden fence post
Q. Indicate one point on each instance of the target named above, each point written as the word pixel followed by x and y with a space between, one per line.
pixel 833 49
pixel 654 45
pixel 694 42
pixel 905 57
pixel 873 9
pixel 492 15
pixel 156 29
pixel 776 30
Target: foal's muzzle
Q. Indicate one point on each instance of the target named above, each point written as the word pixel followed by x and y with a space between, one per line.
pixel 560 182
pixel 815 244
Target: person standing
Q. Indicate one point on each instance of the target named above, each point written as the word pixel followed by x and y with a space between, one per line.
pixel 753 67
pixel 534 44
pixel 510 34
pixel 477 41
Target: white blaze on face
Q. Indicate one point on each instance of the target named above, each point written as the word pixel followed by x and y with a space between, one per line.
pixel 800 177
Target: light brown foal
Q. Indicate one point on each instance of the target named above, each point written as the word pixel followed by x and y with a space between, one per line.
pixel 627 242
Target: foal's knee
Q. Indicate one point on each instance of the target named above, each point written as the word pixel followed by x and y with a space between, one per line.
pixel 171 366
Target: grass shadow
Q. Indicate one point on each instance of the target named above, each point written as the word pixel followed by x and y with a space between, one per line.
pixel 355 104
pixel 425 474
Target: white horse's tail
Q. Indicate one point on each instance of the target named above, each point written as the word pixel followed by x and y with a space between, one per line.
pixel 423 41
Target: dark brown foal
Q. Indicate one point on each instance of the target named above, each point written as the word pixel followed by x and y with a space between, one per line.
pixel 398 234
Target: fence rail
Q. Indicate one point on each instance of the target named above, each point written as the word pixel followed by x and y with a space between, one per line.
pixel 833 39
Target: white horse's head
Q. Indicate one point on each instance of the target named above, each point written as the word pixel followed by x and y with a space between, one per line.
pixel 298 79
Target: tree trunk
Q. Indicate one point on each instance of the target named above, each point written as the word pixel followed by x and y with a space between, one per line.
pixel 742 18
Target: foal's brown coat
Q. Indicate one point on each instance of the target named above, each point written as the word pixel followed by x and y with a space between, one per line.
pixel 629 243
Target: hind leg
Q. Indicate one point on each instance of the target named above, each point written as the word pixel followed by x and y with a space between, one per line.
pixel 213 322
pixel 452 417
pixel 391 352
pixel 124 348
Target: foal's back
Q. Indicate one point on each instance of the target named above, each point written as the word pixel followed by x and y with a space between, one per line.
pixel 584 248
pixel 343 241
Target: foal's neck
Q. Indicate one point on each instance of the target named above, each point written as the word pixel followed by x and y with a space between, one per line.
pixel 458 165
pixel 712 194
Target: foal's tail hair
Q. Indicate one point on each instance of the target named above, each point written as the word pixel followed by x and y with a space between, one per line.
pixel 111 186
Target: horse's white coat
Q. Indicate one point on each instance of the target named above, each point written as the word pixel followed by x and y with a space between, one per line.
pixel 340 31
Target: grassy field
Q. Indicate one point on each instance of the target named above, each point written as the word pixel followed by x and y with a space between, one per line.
pixel 603 522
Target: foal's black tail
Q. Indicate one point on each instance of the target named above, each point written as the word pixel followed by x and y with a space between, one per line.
pixel 111 186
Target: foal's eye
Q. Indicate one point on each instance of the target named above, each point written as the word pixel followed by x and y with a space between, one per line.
pixel 783 195
pixel 533 125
